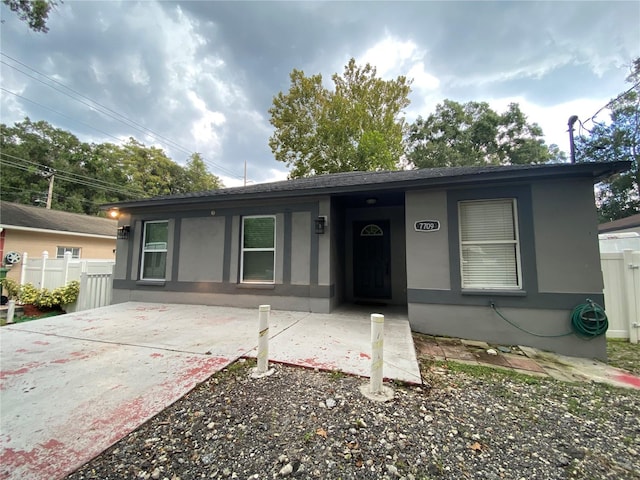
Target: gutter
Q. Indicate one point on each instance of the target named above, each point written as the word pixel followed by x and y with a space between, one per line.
pixel 57 232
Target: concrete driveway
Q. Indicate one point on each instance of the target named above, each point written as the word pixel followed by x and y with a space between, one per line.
pixel 72 385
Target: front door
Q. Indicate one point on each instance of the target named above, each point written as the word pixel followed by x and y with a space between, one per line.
pixel 371 259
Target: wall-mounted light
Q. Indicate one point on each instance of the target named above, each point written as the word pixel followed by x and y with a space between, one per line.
pixel 320 223
pixel 371 201
pixel 124 232
pixel 113 213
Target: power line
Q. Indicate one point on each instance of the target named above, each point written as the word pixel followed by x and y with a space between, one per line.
pixel 611 102
pixel 61 114
pixel 76 179
pixel 82 177
pixel 110 113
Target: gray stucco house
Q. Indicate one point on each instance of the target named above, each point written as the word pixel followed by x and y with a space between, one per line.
pixel 447 243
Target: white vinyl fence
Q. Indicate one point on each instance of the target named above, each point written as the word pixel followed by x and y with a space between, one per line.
pixel 95 277
pixel 621 273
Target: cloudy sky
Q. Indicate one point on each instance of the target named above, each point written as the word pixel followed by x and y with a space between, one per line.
pixel 200 76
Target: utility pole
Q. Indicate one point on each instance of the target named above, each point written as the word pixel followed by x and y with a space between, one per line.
pixel 49 175
pixel 572 119
pixel 245 172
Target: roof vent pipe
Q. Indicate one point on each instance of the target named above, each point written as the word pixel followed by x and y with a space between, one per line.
pixel 572 119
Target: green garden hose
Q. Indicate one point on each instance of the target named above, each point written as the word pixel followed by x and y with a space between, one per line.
pixel 589 319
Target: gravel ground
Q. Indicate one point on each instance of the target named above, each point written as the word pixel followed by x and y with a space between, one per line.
pixel 465 422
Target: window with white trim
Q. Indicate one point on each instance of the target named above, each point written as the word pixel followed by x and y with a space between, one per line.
pixel 75 252
pixel 258 249
pixel 489 244
pixel 154 250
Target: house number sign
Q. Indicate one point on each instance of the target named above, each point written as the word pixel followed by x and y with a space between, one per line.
pixel 427 226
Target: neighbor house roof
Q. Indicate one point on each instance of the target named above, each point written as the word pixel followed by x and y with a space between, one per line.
pixel 353 182
pixel 620 224
pixel 26 217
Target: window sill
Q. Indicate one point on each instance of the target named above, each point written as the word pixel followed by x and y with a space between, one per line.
pixel 151 283
pixel 496 292
pixel 256 286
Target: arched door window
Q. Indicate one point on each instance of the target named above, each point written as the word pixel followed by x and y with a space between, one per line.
pixel 371 230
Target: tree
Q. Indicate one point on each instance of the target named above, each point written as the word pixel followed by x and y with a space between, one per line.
pixel 196 178
pixel 88 175
pixel 474 134
pixel 619 139
pixel 34 12
pixel 358 126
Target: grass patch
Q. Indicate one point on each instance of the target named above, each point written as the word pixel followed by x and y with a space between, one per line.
pixel 23 318
pixel 484 371
pixel 623 354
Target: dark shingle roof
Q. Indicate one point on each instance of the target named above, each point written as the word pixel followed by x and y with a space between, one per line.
pixel 620 224
pixel 17 215
pixel 353 182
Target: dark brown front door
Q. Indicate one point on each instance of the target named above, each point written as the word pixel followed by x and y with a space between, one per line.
pixel 371 260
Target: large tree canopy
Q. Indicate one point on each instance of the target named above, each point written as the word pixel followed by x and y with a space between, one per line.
pixel 473 134
pixel 617 140
pixel 34 12
pixel 358 126
pixel 88 175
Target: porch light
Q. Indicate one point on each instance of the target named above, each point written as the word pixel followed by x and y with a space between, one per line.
pixel 113 213
pixel 320 223
pixel 123 232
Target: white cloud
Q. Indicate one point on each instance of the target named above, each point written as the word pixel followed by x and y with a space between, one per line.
pixel 553 119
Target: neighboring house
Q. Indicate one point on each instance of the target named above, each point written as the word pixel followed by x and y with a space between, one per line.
pixel 447 243
pixel 29 229
pixel 622 225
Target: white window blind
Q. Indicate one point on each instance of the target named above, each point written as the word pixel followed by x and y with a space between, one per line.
pixel 489 246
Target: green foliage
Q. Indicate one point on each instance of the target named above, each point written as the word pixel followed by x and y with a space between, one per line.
pixel 34 12
pixel 11 288
pixel 472 134
pixel 619 139
pixel 356 127
pixel 28 294
pixel 88 175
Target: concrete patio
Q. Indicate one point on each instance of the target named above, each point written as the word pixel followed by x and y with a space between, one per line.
pixel 73 385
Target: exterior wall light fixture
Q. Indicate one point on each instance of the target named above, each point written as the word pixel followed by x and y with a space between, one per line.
pixel 320 223
pixel 124 232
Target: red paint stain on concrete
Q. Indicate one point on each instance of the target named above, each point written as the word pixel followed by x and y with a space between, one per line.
pixel 156 355
pixel 629 379
pixel 53 443
pixel 313 362
pixel 40 342
pixel 364 355
pixel 21 350
pixel 61 360
pixel 8 373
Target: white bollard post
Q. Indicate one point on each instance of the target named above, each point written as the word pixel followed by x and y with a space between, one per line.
pixel 262 369
pixel 377 346
pixel 263 338
pixel 11 311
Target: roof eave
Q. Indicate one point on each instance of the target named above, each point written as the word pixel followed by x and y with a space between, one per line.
pixel 596 171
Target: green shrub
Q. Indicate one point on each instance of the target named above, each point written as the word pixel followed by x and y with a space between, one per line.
pixel 42 297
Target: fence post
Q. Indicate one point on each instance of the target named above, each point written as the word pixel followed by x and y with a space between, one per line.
pixel 83 296
pixel 23 271
pixel 65 267
pixel 631 292
pixel 45 256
